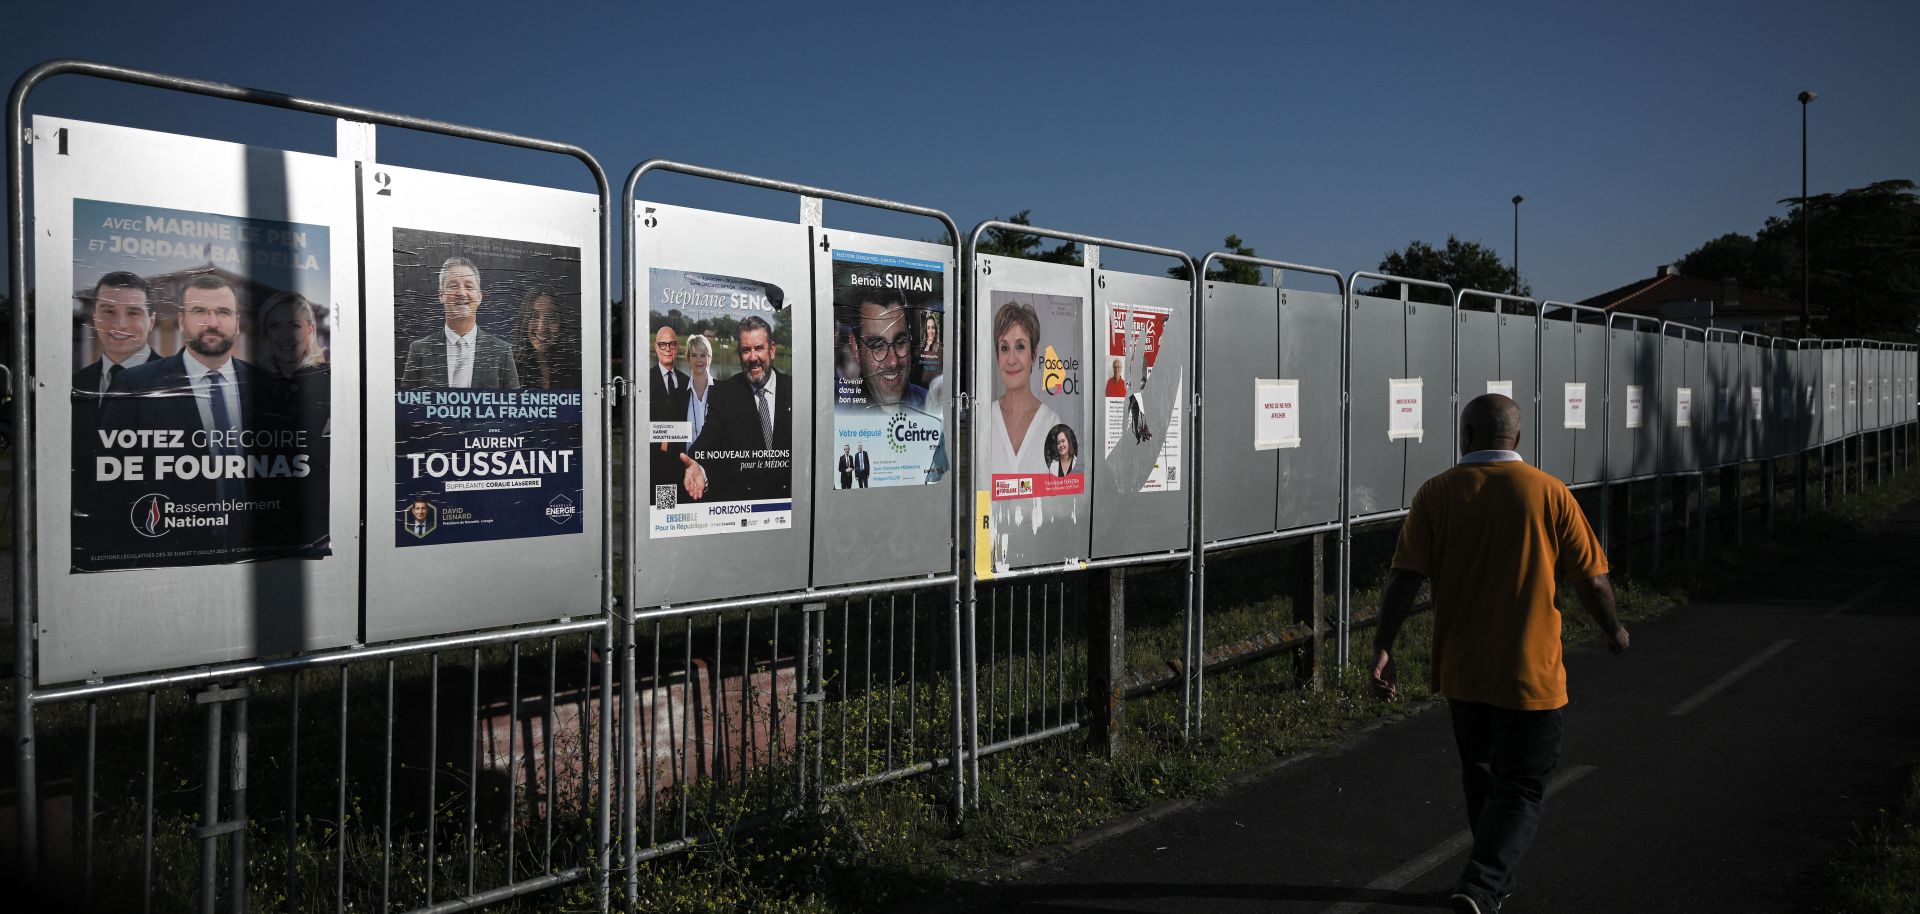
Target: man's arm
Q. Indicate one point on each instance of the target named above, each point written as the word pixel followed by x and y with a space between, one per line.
pixel 1596 595
pixel 1396 604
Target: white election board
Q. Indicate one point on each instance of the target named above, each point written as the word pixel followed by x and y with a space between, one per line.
pixel 1404 409
pixel 169 536
pixel 1276 413
pixel 483 466
pixel 725 312
pixel 1575 405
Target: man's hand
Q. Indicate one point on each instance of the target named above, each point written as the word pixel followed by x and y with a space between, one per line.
pixel 1617 640
pixel 1386 679
pixel 695 479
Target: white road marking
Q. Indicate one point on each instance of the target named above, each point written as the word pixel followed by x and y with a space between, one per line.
pixel 1419 866
pixel 1857 599
pixel 1718 685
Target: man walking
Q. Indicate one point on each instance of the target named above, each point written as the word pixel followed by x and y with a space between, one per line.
pixel 1493 535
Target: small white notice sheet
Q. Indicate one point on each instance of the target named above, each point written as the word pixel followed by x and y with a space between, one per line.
pixel 1683 407
pixel 1276 413
pixel 1576 406
pixel 1636 406
pixel 1757 401
pixel 1403 409
pixel 1503 388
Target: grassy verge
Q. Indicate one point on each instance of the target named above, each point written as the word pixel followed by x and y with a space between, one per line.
pixel 1880 872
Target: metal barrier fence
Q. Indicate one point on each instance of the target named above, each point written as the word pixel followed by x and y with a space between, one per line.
pixel 464 770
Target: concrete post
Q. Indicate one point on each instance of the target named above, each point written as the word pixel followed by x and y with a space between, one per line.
pixel 1309 583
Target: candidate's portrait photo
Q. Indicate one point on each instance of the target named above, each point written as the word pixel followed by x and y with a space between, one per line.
pixel 458 353
pixel 420 518
pixel 750 411
pixel 480 313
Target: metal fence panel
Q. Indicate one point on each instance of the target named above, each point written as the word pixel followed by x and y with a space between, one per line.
pixel 1430 356
pixel 895 520
pixel 1243 343
pixel 1555 446
pixel 1682 388
pixel 1852 365
pixel 1518 338
pixel 1378 330
pixel 697 267
pixel 500 556
pixel 1833 397
pixel 1755 416
pixel 1027 526
pixel 1787 418
pixel 1480 367
pixel 1590 369
pixel 1310 353
pixel 1721 435
pixel 180 609
pixel 1633 435
pixel 1141 436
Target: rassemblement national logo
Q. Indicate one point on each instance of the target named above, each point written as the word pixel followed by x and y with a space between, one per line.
pixel 149 515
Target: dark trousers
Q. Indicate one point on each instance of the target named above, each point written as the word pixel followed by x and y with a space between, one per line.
pixel 1506 757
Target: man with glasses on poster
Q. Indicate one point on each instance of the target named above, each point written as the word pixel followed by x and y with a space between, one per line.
pixel 884 340
pixel 668 393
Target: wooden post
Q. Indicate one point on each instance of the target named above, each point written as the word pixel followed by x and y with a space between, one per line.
pixel 1107 658
pixel 1309 580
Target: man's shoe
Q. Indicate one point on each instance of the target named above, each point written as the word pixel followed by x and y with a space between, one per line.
pixel 1472 901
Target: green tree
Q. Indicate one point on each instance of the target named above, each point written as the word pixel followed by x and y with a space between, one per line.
pixel 1865 257
pixel 1245 274
pixel 1008 242
pixel 1460 264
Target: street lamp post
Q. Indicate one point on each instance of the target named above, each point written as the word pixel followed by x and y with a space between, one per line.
pixel 1516 243
pixel 1806 220
pixel 1806 286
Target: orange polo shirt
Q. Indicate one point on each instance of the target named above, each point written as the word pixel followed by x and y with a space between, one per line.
pixel 1492 538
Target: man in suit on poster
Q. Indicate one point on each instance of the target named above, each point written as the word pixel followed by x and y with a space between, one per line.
pixel 460 354
pixel 202 389
pixel 862 466
pixel 846 467
pixel 669 392
pixel 745 452
pixel 122 318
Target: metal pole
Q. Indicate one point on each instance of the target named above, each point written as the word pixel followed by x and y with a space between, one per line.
pixel 1806 271
pixel 1516 243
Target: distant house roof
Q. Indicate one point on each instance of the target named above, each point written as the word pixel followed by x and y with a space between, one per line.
pixel 1669 286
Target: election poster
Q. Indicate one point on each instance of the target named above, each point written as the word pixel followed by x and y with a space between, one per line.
pixel 889 382
pixel 201 388
pixel 1133 335
pixel 487 389
pixel 720 405
pixel 1035 421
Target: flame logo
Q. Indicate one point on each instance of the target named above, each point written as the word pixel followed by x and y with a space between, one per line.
pixel 1054 376
pixel 148 516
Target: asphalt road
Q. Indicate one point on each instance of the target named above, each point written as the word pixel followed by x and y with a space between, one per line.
pixel 1713 768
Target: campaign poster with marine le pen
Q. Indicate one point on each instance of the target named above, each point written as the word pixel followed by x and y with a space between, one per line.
pixel 487 399
pixel 889 394
pixel 200 389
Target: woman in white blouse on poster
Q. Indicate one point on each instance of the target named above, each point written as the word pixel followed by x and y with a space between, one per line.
pixel 1019 420
pixel 699 359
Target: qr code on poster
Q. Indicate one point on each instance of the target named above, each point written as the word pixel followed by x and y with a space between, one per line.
pixel 666 497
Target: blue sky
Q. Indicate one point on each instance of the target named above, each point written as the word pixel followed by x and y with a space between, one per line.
pixel 1324 134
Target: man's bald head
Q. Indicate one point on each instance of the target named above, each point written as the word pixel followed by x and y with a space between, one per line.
pixel 1490 422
